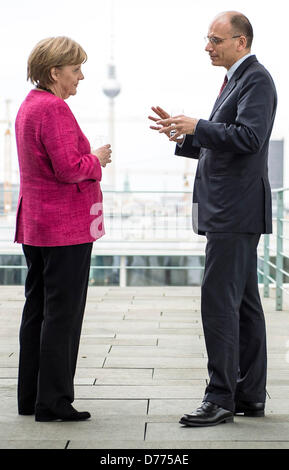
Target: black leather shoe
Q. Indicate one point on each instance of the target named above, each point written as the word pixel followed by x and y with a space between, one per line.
pixel 209 414
pixel 248 408
pixel 70 414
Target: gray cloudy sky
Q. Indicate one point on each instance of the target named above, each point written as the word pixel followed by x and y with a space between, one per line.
pixel 160 59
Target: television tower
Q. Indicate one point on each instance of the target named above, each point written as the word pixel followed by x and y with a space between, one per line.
pixel 111 89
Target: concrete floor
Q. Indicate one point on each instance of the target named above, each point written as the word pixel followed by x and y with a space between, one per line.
pixel 141 366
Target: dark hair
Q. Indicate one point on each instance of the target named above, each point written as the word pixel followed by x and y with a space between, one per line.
pixel 241 25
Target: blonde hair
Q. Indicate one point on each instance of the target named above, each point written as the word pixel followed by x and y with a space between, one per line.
pixel 53 52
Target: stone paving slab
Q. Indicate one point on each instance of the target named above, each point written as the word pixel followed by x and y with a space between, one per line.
pixel 122 325
pixel 33 444
pixel 140 315
pixel 106 308
pixel 131 328
pixel 182 325
pixel 98 380
pixel 142 364
pixel 7 391
pixel 160 332
pixel 114 374
pixel 101 333
pixel 102 317
pixel 97 349
pixel 278 374
pixel 93 361
pixel 176 316
pixel 276 406
pixel 9 361
pixel 8 372
pixel 154 351
pixel 193 312
pixel 278 391
pixel 6 348
pixel 83 361
pixel 8 381
pixel 120 408
pixel 181 341
pixel 148 382
pixel 272 428
pixel 278 349
pixel 166 407
pixel 189 444
pixel 177 407
pixel 156 362
pixel 142 341
pixel 181 374
pixel 100 428
pixel 278 362
pixel 139 391
pixel 151 382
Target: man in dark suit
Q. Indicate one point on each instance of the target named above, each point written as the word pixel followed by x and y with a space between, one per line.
pixel 232 208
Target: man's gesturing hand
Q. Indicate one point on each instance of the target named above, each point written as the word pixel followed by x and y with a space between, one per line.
pixel 180 124
pixel 163 115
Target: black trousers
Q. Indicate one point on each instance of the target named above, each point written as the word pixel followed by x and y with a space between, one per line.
pixel 233 320
pixel 55 291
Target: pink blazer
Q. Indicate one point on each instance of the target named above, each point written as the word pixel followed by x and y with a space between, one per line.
pixel 60 200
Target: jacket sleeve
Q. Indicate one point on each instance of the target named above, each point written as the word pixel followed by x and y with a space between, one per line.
pixel 255 112
pixel 190 148
pixel 60 137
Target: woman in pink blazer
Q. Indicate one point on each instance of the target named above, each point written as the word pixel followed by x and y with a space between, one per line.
pixel 59 216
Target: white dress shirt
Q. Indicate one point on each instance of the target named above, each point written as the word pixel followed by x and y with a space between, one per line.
pixel 234 67
pixel 229 74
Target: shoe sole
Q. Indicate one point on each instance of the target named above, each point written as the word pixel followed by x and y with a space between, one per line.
pixel 251 414
pixel 47 419
pixel 199 425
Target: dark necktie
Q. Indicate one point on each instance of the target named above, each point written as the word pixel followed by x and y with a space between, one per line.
pixel 224 84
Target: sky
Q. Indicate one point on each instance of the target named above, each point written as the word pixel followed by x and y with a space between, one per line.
pixel 158 49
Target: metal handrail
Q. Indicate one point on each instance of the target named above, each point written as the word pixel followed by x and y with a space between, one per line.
pixel 115 266
pixel 280 272
pixel 273 272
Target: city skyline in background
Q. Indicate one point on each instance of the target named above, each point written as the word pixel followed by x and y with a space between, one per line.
pixel 159 54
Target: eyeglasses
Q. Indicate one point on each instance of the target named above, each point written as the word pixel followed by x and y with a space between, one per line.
pixel 216 41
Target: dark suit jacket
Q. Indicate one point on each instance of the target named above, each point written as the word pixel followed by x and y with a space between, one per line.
pixel 232 191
